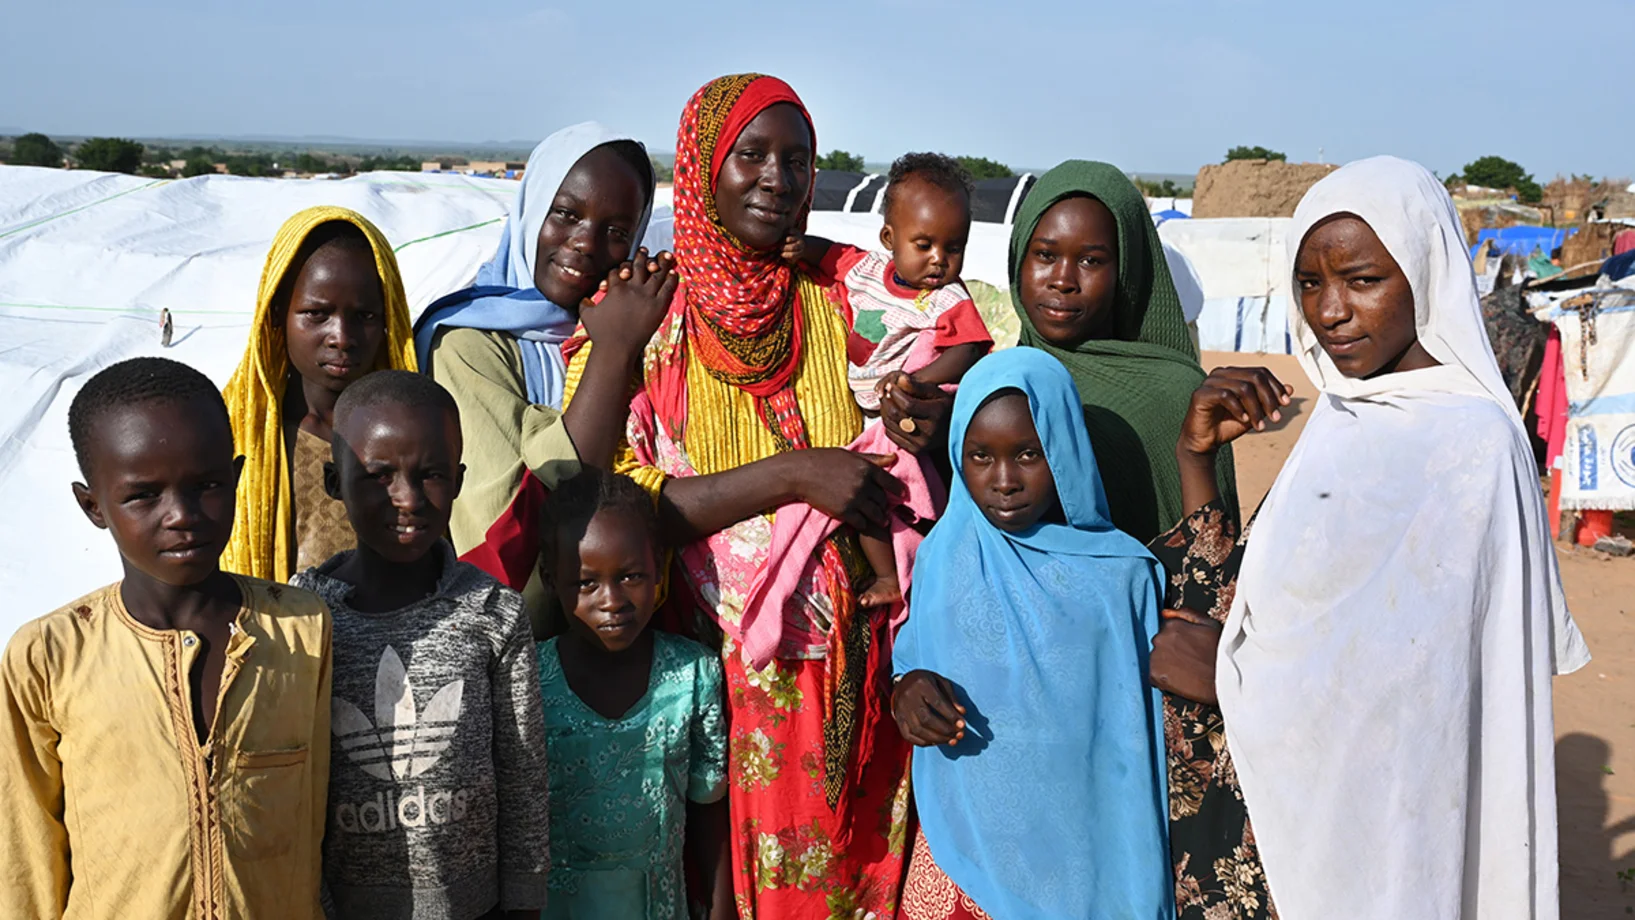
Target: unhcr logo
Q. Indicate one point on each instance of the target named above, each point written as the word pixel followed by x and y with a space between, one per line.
pixel 401 744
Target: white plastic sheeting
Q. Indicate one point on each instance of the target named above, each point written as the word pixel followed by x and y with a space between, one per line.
pixel 1159 205
pixel 1243 269
pixel 88 260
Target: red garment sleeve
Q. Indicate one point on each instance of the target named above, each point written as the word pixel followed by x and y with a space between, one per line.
pixel 961 325
pixel 510 550
pixel 830 274
pixel 840 259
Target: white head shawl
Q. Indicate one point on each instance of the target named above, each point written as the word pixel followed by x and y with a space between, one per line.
pixel 1385 670
pixel 1411 213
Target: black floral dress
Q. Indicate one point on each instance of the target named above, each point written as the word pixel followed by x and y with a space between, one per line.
pixel 1218 875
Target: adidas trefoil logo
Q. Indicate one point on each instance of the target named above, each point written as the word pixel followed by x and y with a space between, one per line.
pixel 400 744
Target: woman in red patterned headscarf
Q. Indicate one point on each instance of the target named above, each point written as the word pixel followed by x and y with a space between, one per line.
pixel 744 407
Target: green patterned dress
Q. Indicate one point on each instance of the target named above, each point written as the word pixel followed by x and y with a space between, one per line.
pixel 619 788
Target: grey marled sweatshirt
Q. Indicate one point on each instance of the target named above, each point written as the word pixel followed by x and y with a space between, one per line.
pixel 437 790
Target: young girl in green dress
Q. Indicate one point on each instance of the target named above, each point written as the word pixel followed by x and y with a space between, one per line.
pixel 634 721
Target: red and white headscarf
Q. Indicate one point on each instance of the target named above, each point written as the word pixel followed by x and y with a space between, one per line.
pixel 742 315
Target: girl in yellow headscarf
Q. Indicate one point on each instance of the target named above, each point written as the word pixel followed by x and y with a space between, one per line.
pixel 330 309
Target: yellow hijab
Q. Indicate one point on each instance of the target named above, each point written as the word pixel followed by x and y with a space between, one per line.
pixel 263 525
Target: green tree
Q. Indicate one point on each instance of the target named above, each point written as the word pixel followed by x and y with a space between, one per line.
pixel 199 166
pixel 310 162
pixel 661 172
pixel 1164 189
pixel 110 154
pixel 404 163
pixel 840 161
pixel 36 149
pixel 983 168
pixel 1494 172
pixel 249 164
pixel 1255 153
pixel 155 171
pixel 1498 172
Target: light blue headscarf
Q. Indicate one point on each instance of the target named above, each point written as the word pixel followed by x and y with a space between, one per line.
pixel 1054 804
pixel 504 298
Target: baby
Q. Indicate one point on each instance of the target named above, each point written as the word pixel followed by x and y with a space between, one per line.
pixel 910 314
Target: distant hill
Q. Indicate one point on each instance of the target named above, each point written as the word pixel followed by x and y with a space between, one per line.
pixel 345 146
pixel 430 149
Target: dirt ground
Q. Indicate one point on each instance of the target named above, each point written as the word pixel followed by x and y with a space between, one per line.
pixel 1595 723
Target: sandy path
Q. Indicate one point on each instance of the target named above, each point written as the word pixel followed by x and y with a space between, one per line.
pixel 1595 725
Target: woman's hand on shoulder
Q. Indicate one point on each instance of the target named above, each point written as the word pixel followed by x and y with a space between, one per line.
pixel 638 295
pixel 850 487
pixel 1231 402
pixel 926 710
pixel 1183 656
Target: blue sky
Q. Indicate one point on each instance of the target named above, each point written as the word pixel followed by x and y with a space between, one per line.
pixel 1152 85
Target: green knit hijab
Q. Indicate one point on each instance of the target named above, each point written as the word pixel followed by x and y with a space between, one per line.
pixel 1136 386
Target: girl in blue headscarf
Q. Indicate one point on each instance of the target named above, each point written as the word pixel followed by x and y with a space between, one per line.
pixel 577 224
pixel 1039 777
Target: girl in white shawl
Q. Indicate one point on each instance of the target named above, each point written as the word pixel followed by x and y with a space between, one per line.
pixel 1384 667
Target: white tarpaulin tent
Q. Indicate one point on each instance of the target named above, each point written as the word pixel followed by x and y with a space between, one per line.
pixel 88 260
pixel 1243 269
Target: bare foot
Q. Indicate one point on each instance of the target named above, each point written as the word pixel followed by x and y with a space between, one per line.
pixel 885 590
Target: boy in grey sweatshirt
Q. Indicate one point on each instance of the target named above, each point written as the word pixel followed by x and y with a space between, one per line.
pixel 437 794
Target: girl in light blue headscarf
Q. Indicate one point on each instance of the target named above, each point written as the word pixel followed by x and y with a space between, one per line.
pixel 582 210
pixel 513 290
pixel 1039 779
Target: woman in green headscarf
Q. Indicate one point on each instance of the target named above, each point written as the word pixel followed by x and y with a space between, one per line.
pixel 1090 284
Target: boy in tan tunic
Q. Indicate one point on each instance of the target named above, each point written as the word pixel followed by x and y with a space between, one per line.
pixel 166 738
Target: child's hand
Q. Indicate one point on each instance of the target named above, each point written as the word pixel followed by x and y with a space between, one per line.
pixel 638 296
pixel 1231 402
pixel 891 381
pixel 927 714
pixel 794 248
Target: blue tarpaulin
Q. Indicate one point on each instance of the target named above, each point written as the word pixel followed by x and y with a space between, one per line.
pixel 1522 241
pixel 1619 267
